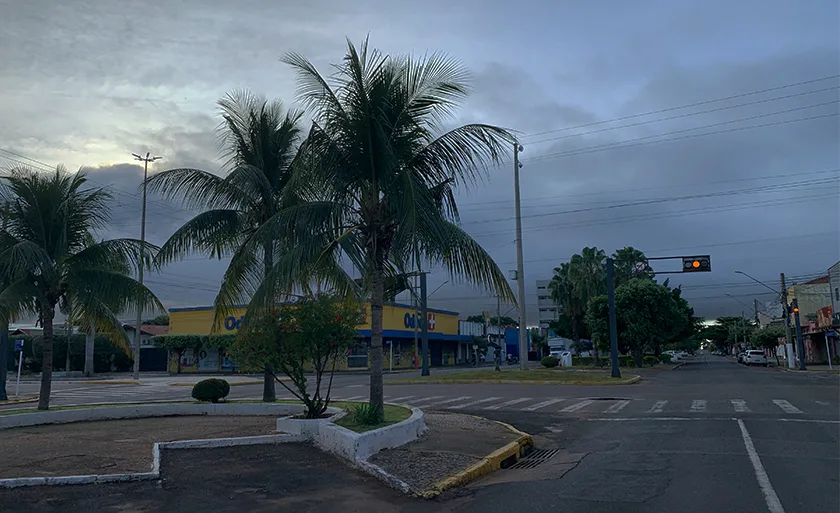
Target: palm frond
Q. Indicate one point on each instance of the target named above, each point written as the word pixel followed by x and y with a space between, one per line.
pixel 117 255
pixel 215 232
pixel 195 189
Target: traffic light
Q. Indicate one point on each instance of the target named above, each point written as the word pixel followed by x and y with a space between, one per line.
pixel 697 264
pixel 795 305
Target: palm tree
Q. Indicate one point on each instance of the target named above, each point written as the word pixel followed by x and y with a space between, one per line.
pixel 588 274
pixel 49 257
pixel 377 176
pixel 261 142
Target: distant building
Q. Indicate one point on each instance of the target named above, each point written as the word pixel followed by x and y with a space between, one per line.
pixel 548 311
pixel 816 317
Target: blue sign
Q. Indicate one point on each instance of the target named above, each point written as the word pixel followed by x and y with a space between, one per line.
pixel 19 346
pixel 232 322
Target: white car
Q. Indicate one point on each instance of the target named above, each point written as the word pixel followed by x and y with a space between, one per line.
pixel 754 357
pixel 675 355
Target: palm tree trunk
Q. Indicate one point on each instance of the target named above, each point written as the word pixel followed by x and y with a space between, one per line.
pixel 4 351
pixel 47 315
pixel 269 391
pixel 90 337
pixel 377 395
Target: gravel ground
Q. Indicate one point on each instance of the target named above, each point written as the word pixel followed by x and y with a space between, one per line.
pixel 453 443
pixel 110 446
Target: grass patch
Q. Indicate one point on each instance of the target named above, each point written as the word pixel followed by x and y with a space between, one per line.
pixel 393 414
pixel 533 376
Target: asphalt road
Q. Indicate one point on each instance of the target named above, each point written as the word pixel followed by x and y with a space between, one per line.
pixel 710 436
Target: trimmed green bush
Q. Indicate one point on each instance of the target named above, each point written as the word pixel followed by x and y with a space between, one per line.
pixel 665 358
pixel 626 360
pixel 651 360
pixel 549 361
pixel 211 390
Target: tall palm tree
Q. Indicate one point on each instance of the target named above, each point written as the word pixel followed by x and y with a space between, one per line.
pixel 261 142
pixel 377 172
pixel 49 257
pixel 588 274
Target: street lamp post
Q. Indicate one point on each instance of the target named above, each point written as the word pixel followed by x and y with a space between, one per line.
pixel 145 160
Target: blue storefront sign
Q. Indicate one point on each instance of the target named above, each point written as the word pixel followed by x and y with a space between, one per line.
pixel 19 346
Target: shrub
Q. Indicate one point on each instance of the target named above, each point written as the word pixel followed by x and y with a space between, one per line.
pixel 651 360
pixel 365 414
pixel 211 390
pixel 835 359
pixel 665 358
pixel 549 361
pixel 626 361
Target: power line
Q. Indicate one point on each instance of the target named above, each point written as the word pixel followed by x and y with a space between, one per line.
pixel 686 106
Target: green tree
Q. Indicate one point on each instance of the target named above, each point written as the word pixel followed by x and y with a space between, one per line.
pixel 160 320
pixel 562 290
pixel 494 321
pixel 630 263
pixel 260 141
pixel 379 179
pixel 769 338
pixel 51 259
pixel 311 335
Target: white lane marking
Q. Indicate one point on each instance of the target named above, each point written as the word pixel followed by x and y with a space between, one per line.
pixel 472 403
pixel 353 398
pixel 462 398
pixel 398 399
pixel 542 404
pixel 740 405
pixel 423 400
pixel 577 406
pixel 786 406
pixel 703 419
pixel 814 421
pixel 617 407
pixel 657 407
pixel 770 497
pixel 698 405
pixel 824 403
pixel 554 429
pixel 355 386
pixel 508 403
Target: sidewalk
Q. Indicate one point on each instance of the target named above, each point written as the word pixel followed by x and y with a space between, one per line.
pixel 457 449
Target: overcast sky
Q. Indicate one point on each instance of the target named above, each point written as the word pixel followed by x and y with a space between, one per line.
pixel 86 83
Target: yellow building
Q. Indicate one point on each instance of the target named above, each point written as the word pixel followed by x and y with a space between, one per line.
pixel 446 346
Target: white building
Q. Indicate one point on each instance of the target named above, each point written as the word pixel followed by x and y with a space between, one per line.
pixel 547 309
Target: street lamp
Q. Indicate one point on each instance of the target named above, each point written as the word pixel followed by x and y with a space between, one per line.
pixel 757 281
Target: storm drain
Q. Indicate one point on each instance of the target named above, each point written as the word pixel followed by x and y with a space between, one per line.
pixel 535 459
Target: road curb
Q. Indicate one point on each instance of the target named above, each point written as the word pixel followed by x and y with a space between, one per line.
pixel 629 381
pixel 233 384
pixel 820 371
pixel 19 401
pixel 489 463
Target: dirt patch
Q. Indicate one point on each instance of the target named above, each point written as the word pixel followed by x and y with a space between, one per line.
pixel 110 446
pixel 263 478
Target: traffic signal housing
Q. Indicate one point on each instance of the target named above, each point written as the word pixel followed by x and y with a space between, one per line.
pixel 697 264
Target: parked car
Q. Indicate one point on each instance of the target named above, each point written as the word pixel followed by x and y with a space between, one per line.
pixel 755 357
pixel 741 357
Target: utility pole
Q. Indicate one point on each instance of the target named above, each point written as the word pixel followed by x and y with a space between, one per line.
pixel 424 306
pixel 520 265
pixel 616 372
pixel 4 330
pixel 757 322
pixel 786 313
pixel 145 160
pixel 499 338
pixel 416 324
pixel 800 346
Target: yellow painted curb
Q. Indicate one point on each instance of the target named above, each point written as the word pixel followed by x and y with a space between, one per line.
pixel 108 382
pixel 486 465
pixel 19 401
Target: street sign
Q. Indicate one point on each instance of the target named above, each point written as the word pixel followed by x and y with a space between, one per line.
pixel 19 346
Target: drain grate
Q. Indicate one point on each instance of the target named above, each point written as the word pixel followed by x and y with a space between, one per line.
pixel 536 458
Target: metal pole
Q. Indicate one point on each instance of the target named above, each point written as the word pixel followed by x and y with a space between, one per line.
pixel 757 321
pixel 416 325
pixel 827 352
pixel 20 366
pixel 786 313
pixel 148 158
pixel 800 345
pixel 616 373
pixel 520 265
pixel 425 308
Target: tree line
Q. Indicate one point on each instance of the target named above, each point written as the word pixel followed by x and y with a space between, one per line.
pixel 370 181
pixel 649 315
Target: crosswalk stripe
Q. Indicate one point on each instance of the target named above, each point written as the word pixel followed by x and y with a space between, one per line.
pixel 577 406
pixel 457 399
pixel 542 404
pixel 398 399
pixel 353 398
pixel 423 400
pixel 698 405
pixel 657 407
pixel 786 406
pixel 740 405
pixel 617 407
pixel 508 403
pixel 473 403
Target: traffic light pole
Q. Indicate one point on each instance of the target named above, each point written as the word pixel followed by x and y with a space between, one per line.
pixel 786 314
pixel 616 372
pixel 800 346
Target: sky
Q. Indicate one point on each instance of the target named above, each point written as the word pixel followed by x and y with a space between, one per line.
pixel 678 128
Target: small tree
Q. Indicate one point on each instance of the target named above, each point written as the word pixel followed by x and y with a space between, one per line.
pixel 768 338
pixel 310 335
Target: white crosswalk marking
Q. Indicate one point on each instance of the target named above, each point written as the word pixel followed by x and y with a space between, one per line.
pixel 786 406
pixel 542 404
pixel 617 407
pixel 657 407
pixel 577 406
pixel 424 400
pixel 473 403
pixel 698 405
pixel 508 403
pixel 457 399
pixel 353 398
pixel 398 399
pixel 740 405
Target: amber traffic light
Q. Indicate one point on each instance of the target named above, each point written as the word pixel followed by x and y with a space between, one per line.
pixel 695 264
